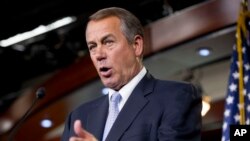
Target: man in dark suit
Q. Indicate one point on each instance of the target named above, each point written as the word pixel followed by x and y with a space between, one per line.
pixel 149 109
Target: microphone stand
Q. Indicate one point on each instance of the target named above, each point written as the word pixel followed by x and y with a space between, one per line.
pixel 39 94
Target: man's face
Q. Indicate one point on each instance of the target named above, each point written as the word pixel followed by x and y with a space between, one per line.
pixel 116 61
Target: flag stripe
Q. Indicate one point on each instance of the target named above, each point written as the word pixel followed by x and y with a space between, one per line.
pixel 237 102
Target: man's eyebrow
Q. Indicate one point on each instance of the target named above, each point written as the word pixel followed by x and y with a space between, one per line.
pixel 90 42
pixel 106 36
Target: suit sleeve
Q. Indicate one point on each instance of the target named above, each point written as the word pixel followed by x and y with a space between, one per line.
pixel 183 121
pixel 66 133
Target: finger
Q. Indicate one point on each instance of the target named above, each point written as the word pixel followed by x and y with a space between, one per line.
pixel 75 139
pixel 78 128
pixel 82 133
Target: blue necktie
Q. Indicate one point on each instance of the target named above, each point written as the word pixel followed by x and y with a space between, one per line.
pixel 113 112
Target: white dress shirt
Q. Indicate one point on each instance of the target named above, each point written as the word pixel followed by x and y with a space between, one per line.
pixel 127 89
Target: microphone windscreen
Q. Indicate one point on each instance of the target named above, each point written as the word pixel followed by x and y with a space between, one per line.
pixel 40 93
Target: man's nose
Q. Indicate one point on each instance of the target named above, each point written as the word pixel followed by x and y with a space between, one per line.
pixel 101 54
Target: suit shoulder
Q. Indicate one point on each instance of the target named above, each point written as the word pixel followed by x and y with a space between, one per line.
pixel 177 86
pixel 173 83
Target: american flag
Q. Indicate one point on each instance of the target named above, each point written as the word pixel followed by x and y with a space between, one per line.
pixel 237 102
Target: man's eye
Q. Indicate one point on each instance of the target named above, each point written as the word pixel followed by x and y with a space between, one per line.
pixel 91 47
pixel 108 42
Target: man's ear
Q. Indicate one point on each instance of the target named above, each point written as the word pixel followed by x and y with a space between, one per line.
pixel 138 45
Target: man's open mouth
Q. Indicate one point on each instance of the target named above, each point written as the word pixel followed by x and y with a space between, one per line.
pixel 105 71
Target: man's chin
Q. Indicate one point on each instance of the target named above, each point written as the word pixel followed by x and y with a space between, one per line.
pixel 109 84
pixel 106 83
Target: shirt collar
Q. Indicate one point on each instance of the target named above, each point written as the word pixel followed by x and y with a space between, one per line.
pixel 127 89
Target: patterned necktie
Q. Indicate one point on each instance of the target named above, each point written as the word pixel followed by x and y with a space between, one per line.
pixel 113 112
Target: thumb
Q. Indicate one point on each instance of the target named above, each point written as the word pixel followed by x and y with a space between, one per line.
pixel 82 133
pixel 78 129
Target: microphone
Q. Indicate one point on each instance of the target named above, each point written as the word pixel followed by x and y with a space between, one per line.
pixel 40 93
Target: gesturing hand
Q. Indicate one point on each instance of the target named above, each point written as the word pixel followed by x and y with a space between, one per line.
pixel 82 134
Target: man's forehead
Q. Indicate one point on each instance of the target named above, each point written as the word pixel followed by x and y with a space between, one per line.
pixel 108 21
pixel 102 28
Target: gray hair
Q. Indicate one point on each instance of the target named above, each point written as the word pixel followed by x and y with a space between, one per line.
pixel 130 24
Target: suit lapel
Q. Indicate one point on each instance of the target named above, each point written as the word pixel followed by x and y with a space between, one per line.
pixel 97 118
pixel 132 108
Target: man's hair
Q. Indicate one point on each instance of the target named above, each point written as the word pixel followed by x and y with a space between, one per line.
pixel 130 24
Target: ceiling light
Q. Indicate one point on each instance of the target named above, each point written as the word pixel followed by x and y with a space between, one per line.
pixel 5 125
pixel 105 91
pixel 37 31
pixel 46 123
pixel 204 51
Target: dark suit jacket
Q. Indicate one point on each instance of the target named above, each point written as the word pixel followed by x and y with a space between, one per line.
pixel 155 111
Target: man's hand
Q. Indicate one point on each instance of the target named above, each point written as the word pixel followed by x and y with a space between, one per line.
pixel 82 134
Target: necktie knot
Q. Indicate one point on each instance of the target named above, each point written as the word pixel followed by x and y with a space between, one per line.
pixel 115 97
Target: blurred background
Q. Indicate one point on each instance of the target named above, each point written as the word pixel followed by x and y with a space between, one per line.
pixel 42 44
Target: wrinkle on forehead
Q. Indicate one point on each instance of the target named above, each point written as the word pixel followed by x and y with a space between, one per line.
pixel 102 27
